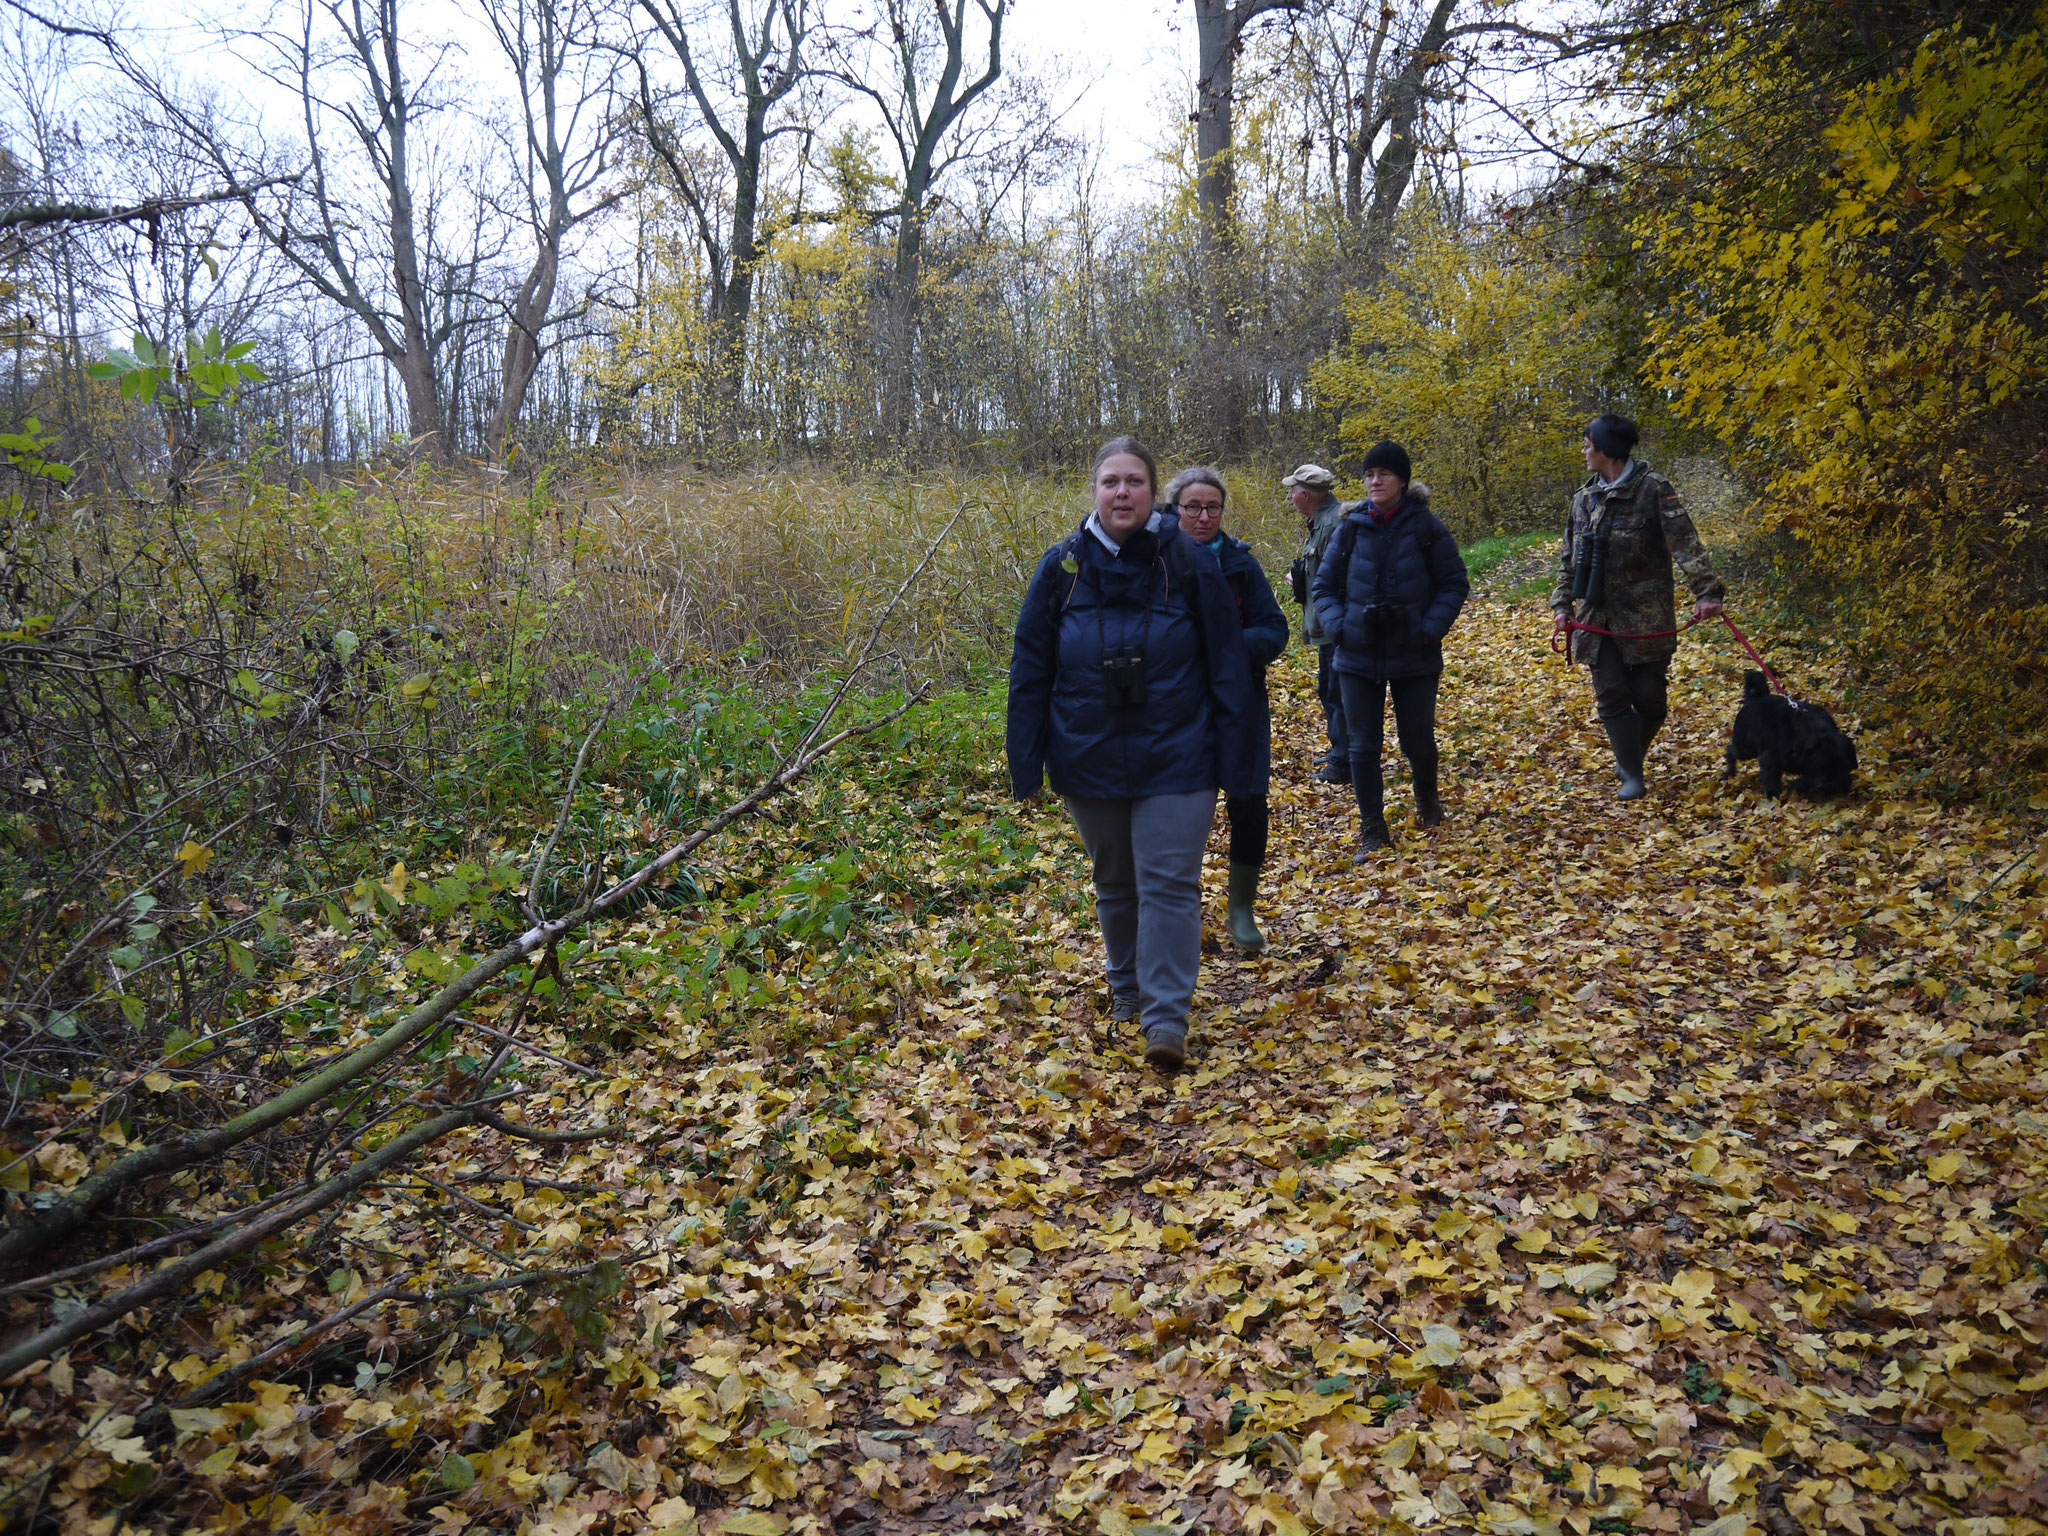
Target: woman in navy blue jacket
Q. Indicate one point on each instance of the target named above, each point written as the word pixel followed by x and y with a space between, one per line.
pixel 1129 685
pixel 1198 495
pixel 1390 587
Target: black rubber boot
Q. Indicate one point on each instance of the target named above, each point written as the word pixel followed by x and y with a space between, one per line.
pixel 1626 736
pixel 1244 896
pixel 1427 806
pixel 1372 811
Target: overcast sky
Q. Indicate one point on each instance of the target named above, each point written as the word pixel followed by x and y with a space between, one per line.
pixel 1132 64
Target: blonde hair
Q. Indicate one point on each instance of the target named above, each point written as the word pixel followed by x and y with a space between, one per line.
pixel 1131 446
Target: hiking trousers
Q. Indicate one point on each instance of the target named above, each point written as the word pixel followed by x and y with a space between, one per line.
pixel 1365 709
pixel 1250 817
pixel 1146 855
pixel 1331 693
pixel 1623 692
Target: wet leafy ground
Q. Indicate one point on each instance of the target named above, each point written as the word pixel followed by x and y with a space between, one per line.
pixel 1577 1167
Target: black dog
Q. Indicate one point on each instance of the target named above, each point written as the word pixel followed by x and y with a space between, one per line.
pixel 1800 740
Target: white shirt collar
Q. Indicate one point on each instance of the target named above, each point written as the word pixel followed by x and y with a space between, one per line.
pixel 1094 526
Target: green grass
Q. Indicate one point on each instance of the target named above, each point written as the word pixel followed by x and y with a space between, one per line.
pixel 1483 555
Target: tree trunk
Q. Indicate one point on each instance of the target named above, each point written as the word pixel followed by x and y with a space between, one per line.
pixel 1216 31
pixel 1219 26
pixel 767 69
pixel 522 343
pixel 415 363
pixel 920 130
pixel 1395 169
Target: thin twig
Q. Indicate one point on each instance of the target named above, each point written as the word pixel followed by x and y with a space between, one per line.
pixel 213 1389
pixel 148 1250
pixel 528 1045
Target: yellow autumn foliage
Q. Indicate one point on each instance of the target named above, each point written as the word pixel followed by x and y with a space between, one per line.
pixel 1873 343
pixel 1476 354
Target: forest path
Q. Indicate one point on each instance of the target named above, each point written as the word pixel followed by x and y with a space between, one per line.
pixel 1578 1166
pixel 1667 1167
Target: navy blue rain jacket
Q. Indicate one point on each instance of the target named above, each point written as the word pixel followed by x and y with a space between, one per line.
pixel 1265 637
pixel 1193 731
pixel 1389 592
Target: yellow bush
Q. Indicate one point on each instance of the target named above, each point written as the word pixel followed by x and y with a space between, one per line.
pixel 1478 356
pixel 1876 349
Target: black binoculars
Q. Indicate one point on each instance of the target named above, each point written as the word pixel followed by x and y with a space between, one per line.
pixel 1589 568
pixel 1123 677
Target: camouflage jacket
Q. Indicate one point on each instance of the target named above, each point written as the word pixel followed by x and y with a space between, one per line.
pixel 1647 530
pixel 1329 516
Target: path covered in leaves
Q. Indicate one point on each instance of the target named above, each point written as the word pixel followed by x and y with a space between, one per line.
pixel 1577 1168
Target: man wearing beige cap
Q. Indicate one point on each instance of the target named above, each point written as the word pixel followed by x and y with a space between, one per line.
pixel 1309 488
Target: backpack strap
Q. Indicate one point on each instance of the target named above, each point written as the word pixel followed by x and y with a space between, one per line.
pixel 1070 555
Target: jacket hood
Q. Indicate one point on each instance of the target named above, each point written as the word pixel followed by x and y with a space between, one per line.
pixel 1634 468
pixel 1416 497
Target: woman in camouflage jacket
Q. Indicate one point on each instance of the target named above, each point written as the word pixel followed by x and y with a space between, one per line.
pixel 1626 529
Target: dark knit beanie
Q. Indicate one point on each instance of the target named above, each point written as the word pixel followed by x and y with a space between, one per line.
pixel 1388 454
pixel 1613 435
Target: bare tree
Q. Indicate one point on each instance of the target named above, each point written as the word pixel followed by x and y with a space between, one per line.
pixel 922 108
pixel 351 225
pixel 1375 68
pixel 570 128
pixel 761 63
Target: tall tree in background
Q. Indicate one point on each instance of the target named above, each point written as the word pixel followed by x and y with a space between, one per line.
pixel 928 95
pixel 1377 66
pixel 761 63
pixel 564 82
pixel 1219 33
pixel 353 229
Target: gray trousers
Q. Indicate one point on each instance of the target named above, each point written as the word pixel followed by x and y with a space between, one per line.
pixel 1147 858
pixel 1331 692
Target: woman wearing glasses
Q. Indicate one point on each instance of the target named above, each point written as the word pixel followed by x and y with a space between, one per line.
pixel 1199 495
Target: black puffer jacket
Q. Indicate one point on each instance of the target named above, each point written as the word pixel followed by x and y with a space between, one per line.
pixel 1390 591
pixel 1163 596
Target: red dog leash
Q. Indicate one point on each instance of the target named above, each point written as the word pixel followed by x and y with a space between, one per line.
pixel 1559 642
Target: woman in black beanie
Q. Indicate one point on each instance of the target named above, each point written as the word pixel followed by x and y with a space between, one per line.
pixel 1389 588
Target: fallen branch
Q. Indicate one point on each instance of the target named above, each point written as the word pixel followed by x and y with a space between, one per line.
pixel 537 1133
pixel 68 1215
pixel 173 1276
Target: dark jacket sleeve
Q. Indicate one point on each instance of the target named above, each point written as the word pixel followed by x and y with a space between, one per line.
pixel 1034 657
pixel 1265 626
pixel 1327 593
pixel 1449 583
pixel 1230 681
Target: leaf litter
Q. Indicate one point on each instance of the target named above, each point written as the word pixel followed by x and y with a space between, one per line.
pixel 1577 1167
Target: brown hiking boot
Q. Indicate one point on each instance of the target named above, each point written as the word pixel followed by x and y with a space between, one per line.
pixel 1166 1050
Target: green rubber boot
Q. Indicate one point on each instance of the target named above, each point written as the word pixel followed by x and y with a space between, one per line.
pixel 1244 894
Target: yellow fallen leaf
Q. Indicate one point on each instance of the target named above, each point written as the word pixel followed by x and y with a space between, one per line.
pixel 194 857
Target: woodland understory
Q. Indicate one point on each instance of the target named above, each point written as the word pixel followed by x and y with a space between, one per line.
pixel 1674 1167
